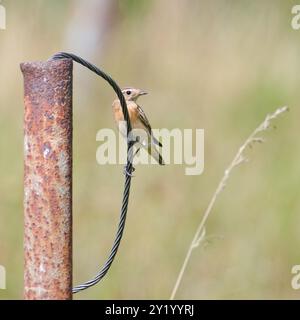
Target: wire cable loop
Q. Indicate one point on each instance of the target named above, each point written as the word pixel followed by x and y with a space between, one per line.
pixel 128 169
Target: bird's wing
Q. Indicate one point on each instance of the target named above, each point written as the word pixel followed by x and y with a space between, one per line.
pixel 144 119
pixel 146 123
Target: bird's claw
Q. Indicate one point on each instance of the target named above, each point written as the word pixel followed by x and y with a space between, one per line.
pixel 126 173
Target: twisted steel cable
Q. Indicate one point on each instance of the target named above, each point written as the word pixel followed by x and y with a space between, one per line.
pixel 128 168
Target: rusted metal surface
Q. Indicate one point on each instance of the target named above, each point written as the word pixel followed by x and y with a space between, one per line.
pixel 48 179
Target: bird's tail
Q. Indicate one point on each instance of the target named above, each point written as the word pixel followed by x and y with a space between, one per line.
pixel 152 150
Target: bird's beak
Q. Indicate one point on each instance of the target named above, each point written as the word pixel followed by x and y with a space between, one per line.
pixel 142 93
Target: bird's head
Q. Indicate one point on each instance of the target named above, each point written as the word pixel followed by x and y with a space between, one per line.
pixel 132 94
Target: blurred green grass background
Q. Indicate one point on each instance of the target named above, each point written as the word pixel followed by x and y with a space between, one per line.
pixel 218 65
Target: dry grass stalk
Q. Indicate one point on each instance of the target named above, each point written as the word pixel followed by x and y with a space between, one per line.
pixel 237 160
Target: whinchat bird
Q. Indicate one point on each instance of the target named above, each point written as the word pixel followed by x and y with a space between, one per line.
pixel 139 121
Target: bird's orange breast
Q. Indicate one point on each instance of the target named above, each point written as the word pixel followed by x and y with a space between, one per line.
pixel 132 110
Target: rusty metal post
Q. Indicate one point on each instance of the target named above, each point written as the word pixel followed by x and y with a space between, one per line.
pixel 48 179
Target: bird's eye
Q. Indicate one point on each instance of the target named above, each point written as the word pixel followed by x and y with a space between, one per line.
pixel 128 92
